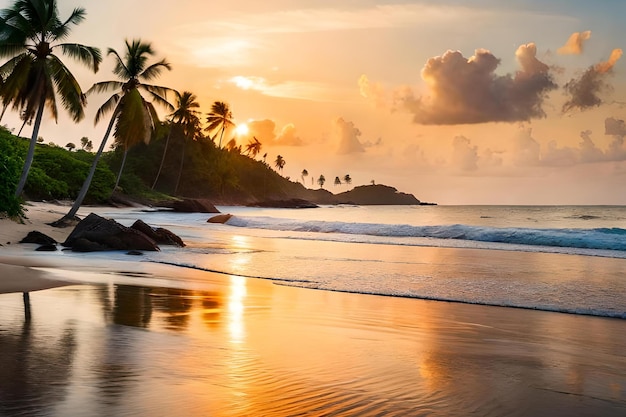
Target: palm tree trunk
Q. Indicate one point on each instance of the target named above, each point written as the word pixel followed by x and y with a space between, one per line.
pixel 92 170
pixel 4 109
pixel 31 150
pixel 180 170
pixel 119 174
pixel 167 141
pixel 221 134
pixel 23 124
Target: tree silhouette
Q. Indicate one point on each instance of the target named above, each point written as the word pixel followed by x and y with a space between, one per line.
pixel 305 173
pixel 29 31
pixel 337 181
pixel 83 142
pixel 279 163
pixel 132 115
pixel 347 179
pixel 253 147
pixel 220 118
pixel 321 180
pixel 70 146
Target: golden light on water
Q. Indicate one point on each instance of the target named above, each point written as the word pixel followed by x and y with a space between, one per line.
pixel 236 297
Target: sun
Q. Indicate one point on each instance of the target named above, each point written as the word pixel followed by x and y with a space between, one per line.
pixel 242 129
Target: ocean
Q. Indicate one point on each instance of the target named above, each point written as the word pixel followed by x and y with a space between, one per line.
pixel 357 311
pixel 568 259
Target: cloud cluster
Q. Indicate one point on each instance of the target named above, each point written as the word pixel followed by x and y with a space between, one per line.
pixel 574 45
pixel 265 131
pixel 584 91
pixel 288 136
pixel 346 135
pixel 373 92
pixel 467 90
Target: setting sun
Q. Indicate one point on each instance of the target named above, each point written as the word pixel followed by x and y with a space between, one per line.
pixel 242 129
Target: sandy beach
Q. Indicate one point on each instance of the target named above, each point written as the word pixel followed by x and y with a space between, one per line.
pixel 139 338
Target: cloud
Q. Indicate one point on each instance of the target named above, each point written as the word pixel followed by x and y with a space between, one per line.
pixel 464 155
pixel 614 126
pixel 584 92
pixel 574 45
pixel 373 92
pixel 288 136
pixel 263 130
pixel 347 136
pixel 467 90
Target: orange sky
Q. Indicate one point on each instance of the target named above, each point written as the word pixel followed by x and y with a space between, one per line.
pixel 457 102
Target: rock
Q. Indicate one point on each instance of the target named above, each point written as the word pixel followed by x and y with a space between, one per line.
pixel 194 205
pixel 290 203
pixel 39 238
pixel 220 218
pixel 47 248
pixel 160 235
pixel 96 233
pixel 134 253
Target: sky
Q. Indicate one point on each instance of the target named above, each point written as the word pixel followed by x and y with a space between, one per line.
pixel 456 102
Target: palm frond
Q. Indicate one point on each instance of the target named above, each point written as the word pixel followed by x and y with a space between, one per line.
pixel 154 70
pixel 87 55
pixel 108 106
pixel 104 87
pixel 72 97
pixel 62 30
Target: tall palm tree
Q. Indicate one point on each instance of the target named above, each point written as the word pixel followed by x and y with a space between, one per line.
pixel 132 116
pixel 220 118
pixel 321 180
pixel 184 115
pixel 253 147
pixel 191 131
pixel 279 163
pixel 34 75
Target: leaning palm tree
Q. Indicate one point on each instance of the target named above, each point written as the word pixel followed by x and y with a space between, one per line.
pixel 220 118
pixel 253 147
pixel 133 116
pixel 183 116
pixel 34 75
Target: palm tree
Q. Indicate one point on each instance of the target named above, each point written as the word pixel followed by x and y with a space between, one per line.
pixel 304 174
pixel 183 117
pixel 253 147
pixel 337 181
pixel 70 146
pixel 132 115
pixel 220 118
pixel 34 75
pixel 279 163
pixel 321 180
pixel 347 179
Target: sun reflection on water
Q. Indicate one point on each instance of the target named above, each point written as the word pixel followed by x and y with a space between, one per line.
pixel 236 308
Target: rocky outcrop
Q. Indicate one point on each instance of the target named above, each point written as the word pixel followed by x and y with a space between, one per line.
pixel 220 218
pixel 160 235
pixel 376 195
pixel 38 238
pixel 95 233
pixel 290 203
pixel 194 205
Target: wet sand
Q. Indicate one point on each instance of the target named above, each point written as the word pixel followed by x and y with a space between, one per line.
pixel 231 346
pixel 138 338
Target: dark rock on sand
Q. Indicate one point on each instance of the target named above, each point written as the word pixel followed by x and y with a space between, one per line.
pixel 220 218
pixel 39 238
pixel 47 248
pixel 96 233
pixel 134 253
pixel 160 235
pixel 194 205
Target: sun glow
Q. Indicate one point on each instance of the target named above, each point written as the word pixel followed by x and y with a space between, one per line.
pixel 242 129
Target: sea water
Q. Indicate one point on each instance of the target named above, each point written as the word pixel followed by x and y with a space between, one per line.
pixel 556 258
